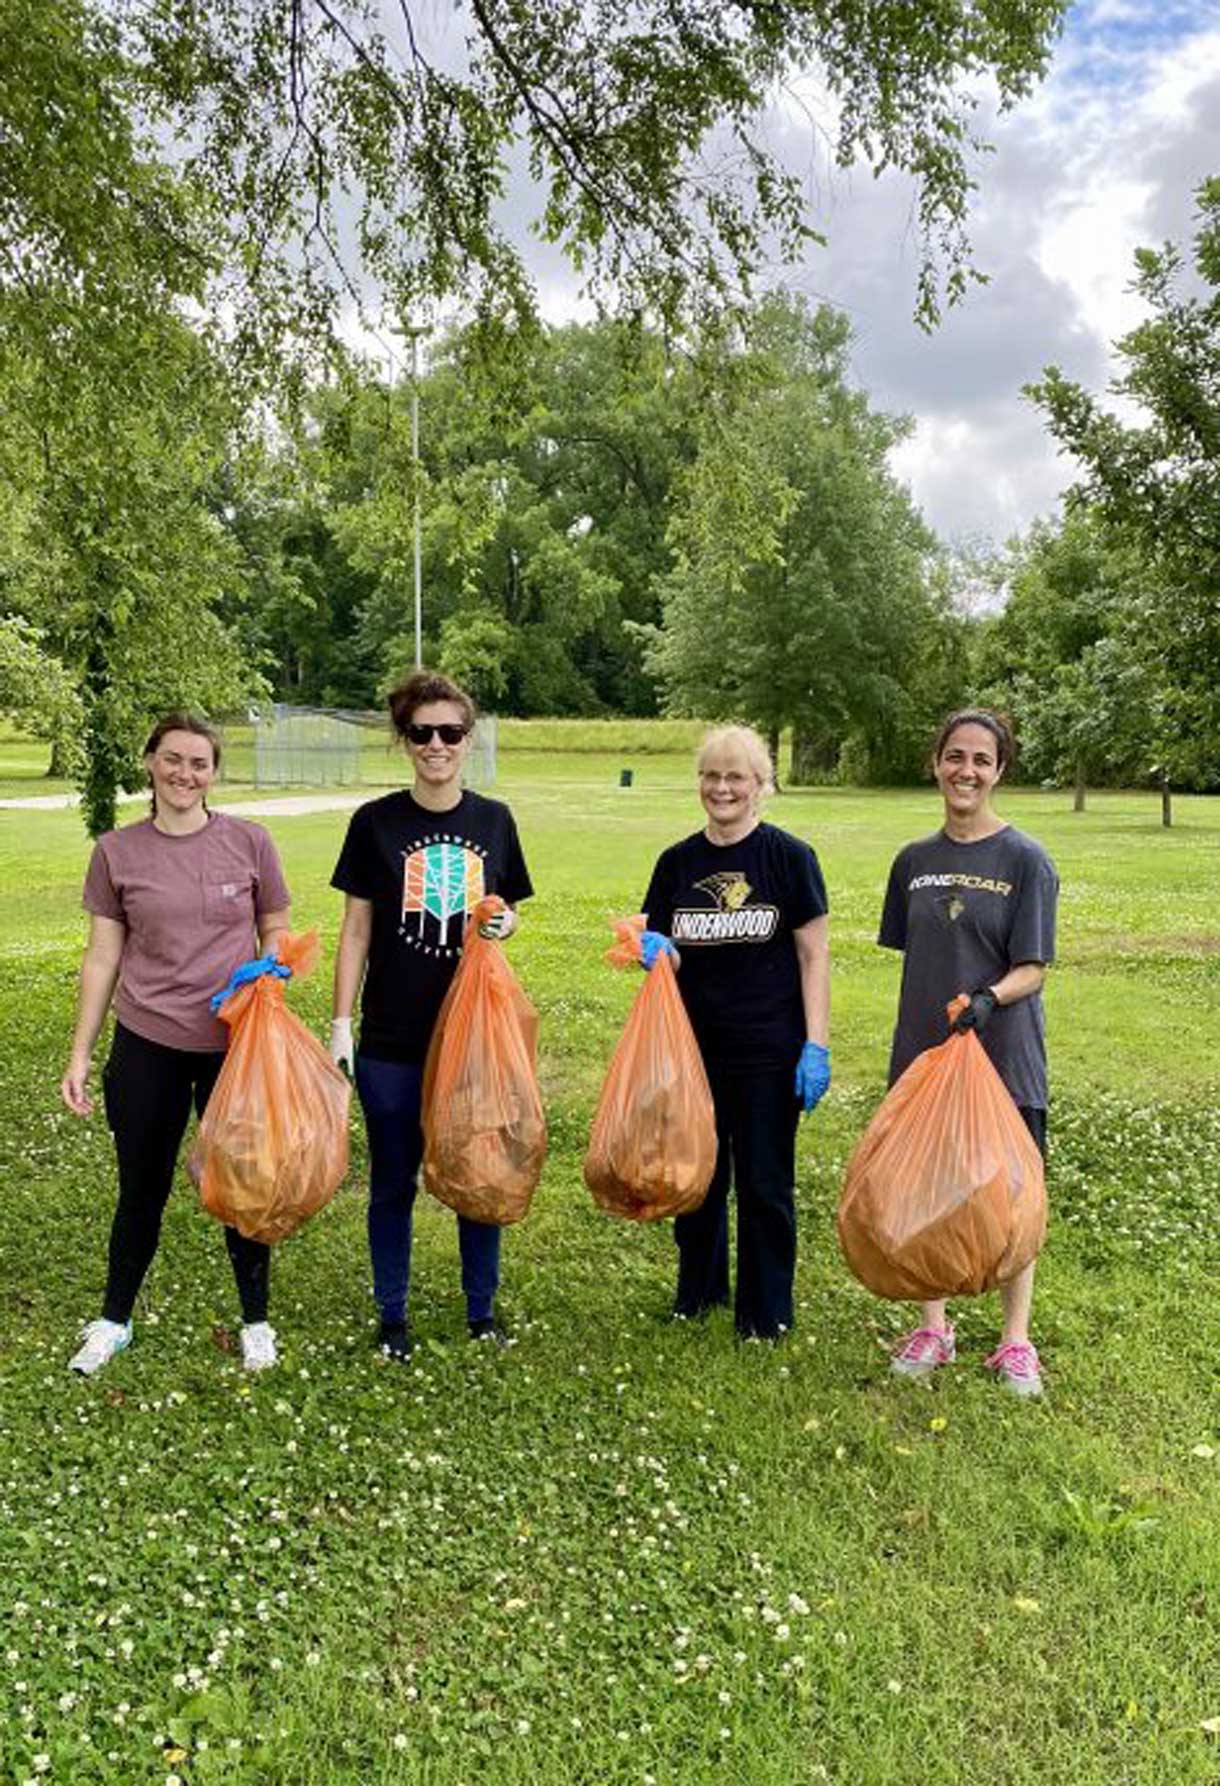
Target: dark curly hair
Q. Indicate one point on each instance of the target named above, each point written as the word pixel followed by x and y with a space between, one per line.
pixel 421 687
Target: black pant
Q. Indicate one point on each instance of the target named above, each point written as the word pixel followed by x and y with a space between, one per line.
pixel 148 1091
pixel 756 1118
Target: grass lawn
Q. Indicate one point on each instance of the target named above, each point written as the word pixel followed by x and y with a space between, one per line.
pixel 624 1551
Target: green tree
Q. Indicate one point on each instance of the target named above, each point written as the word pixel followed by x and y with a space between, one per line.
pixel 544 518
pixel 37 693
pixel 645 130
pixel 124 559
pixel 1155 483
pixel 1064 585
pixel 801 593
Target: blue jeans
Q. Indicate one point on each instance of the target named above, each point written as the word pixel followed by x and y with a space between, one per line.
pixel 390 1098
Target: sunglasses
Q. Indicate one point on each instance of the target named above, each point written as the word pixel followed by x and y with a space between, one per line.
pixel 448 734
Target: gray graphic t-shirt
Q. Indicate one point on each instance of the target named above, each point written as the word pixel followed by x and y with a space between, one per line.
pixel 964 914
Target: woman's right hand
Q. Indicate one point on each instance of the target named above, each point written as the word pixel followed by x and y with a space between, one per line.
pixel 74 1087
pixel 653 945
pixel 342 1048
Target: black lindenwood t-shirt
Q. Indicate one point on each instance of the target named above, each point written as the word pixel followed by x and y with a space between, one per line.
pixel 964 914
pixel 423 873
pixel 731 910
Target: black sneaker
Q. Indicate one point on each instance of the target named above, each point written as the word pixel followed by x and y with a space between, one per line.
pixel 488 1330
pixel 394 1341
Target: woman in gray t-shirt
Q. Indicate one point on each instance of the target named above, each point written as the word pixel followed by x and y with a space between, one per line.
pixel 972 908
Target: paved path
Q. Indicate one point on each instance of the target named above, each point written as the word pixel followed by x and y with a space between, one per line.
pixel 281 805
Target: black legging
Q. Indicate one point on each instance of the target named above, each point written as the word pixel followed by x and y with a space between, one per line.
pixel 148 1091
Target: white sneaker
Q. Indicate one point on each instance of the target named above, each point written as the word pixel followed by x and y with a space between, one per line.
pixel 102 1339
pixel 258 1351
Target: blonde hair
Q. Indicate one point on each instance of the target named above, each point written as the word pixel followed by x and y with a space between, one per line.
pixel 751 744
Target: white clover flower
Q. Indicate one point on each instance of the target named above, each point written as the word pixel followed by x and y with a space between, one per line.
pixel 522 1726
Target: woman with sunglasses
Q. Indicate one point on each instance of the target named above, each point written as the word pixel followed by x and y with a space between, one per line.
pixel 413 866
pixel 746 904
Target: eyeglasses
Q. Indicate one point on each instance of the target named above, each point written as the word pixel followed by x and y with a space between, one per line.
pixel 732 779
pixel 448 734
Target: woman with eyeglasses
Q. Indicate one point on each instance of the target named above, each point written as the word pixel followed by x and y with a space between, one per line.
pixel 413 866
pixel 745 905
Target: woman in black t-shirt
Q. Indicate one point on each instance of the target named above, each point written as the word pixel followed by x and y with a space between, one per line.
pixel 413 866
pixel 745 905
pixel 973 909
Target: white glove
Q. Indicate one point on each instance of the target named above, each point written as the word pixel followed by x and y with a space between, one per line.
pixel 500 925
pixel 342 1048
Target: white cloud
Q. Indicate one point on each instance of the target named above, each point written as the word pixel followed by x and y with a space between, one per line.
pixel 1102 159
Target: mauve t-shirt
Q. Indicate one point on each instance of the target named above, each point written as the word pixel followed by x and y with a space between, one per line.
pixel 189 906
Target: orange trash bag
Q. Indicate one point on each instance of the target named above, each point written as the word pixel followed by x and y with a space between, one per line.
pixel 272 1144
pixel 652 1148
pixel 945 1193
pixel 484 1131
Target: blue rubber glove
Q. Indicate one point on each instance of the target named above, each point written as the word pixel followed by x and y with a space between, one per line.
pixel 249 970
pixel 653 944
pixel 813 1075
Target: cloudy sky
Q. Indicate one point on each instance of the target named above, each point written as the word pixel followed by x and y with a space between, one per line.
pixel 1103 158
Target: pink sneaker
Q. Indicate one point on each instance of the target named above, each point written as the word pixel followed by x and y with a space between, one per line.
pixel 1018 1367
pixel 920 1353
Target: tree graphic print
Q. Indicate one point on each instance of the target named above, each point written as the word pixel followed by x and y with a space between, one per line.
pixel 442 881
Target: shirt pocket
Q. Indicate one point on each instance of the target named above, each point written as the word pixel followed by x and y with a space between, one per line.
pixel 232 898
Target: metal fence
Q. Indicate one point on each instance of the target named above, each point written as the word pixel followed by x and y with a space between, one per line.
pixel 323 747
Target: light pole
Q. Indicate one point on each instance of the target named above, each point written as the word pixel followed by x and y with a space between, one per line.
pixel 414 330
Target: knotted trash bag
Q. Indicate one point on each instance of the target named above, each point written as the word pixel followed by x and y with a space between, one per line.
pixel 944 1194
pixel 272 1144
pixel 484 1131
pixel 652 1149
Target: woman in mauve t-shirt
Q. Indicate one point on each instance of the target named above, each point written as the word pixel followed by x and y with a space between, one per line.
pixel 175 903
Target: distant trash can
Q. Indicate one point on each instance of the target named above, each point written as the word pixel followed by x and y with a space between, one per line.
pixel 625 777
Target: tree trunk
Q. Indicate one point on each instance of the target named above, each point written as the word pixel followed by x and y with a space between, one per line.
pixel 1081 787
pixel 1166 802
pixel 99 783
pixel 814 754
pixel 773 753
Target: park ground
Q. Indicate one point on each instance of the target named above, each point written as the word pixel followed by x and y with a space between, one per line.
pixel 621 1550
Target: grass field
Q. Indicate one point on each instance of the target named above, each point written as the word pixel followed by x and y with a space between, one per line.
pixel 621 1550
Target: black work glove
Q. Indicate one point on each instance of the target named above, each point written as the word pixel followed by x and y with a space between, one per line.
pixel 977 1013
